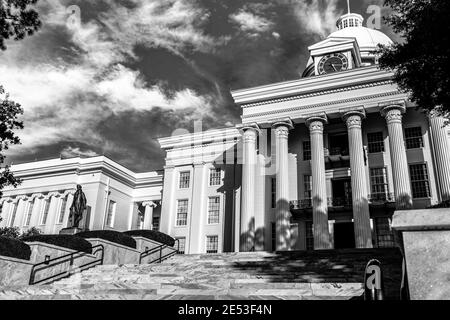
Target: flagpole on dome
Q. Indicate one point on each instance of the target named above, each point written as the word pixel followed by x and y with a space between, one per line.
pixel 348 6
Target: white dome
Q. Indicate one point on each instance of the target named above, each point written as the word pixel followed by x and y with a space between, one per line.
pixel 368 39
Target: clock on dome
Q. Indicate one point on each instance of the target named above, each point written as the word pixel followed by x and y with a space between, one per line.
pixel 332 62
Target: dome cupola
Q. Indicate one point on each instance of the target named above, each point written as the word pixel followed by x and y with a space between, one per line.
pixel 351 46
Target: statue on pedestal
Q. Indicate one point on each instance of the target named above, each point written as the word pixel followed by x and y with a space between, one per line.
pixel 77 208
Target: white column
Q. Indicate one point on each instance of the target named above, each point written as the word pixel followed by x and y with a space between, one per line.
pixel 70 195
pixel 248 190
pixel 393 112
pixel 441 153
pixel 319 189
pixel 168 210
pixel 361 215
pixel 283 215
pixel 53 211
pixel 148 216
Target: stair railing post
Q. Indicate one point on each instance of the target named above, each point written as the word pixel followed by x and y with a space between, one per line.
pixel 160 254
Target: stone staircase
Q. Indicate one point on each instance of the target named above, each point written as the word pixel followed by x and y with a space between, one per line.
pixel 330 274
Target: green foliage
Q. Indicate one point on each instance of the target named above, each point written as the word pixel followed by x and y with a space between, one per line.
pixel 421 62
pixel 9 111
pixel 109 235
pixel 31 232
pixel 153 235
pixel 17 20
pixel 10 232
pixel 14 248
pixel 65 241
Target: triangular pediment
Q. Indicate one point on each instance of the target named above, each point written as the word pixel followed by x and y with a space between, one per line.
pixel 334 41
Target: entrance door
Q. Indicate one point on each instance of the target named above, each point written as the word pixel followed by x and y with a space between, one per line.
pixel 344 236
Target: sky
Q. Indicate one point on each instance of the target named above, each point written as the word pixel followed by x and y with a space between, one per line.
pixel 110 77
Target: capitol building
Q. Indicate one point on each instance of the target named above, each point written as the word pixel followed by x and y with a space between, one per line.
pixel 320 162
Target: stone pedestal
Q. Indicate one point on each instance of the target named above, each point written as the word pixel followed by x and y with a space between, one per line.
pixel 426 241
pixel 71 231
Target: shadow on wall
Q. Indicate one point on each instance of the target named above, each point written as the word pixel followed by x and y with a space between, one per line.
pixel 253 239
pixel 283 231
pixel 326 266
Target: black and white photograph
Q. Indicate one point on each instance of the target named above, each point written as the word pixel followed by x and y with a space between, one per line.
pixel 227 157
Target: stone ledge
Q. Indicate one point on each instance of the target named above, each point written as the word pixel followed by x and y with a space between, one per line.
pixel 421 220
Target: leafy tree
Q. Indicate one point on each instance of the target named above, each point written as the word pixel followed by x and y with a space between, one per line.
pixel 421 62
pixel 17 20
pixel 10 232
pixel 9 110
pixel 30 233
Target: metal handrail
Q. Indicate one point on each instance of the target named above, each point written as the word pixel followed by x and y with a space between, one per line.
pixel 160 248
pixel 63 259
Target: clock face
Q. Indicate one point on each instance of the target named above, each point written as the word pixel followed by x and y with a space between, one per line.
pixel 333 62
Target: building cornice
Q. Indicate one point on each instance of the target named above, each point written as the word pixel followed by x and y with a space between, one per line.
pixel 276 112
pixel 313 86
pixel 81 166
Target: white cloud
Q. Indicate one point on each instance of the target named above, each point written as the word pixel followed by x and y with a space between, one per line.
pixel 250 23
pixel 77 152
pixel 65 101
pixel 316 16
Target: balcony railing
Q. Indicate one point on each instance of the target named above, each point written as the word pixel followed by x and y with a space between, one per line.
pixel 381 197
pixel 338 151
pixel 337 202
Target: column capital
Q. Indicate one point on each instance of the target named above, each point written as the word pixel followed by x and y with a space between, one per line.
pixel 287 122
pixel 353 118
pixel 149 204
pixel 252 127
pixel 54 194
pixel 393 110
pixel 316 122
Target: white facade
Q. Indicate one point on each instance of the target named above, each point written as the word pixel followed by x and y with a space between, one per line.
pixel 320 162
pixel 117 198
pixel 317 163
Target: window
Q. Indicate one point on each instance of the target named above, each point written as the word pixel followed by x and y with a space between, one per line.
pixel 182 212
pixel 111 214
pixel 274 192
pixel 378 183
pixel 385 237
pixel 62 210
pixel 185 178
pixel 419 181
pixel 182 245
pixel 309 235
pixel 29 213
pixel 306 150
pixel 13 214
pixel 45 212
pixel 274 236
pixel 413 138
pixel 215 177
pixel 307 183
pixel 155 223
pixel 375 142
pixel 213 210
pixel 212 244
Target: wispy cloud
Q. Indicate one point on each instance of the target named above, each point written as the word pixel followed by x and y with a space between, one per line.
pixel 250 23
pixel 64 100
pixel 77 152
pixel 316 16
